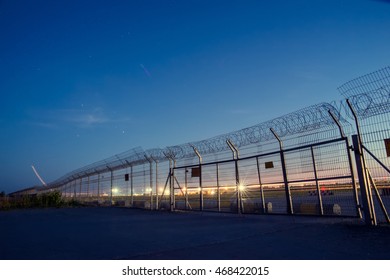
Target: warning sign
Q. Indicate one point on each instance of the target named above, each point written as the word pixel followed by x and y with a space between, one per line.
pixel 387 145
pixel 195 172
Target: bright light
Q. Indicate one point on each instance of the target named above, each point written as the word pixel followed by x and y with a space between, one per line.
pixel 241 187
pixel 115 190
pixel 212 192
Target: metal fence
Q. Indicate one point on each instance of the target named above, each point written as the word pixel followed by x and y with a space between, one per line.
pixel 301 163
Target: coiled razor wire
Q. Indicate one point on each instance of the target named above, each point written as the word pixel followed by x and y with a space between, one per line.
pixel 369 95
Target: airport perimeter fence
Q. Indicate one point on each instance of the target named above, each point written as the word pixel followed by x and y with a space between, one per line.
pixel 329 159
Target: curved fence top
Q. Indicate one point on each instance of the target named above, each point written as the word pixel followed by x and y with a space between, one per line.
pixel 369 94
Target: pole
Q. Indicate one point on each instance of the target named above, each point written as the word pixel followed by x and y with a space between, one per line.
pixel 131 186
pixel 316 178
pixel 238 191
pixel 261 185
pixel 342 134
pixel 156 162
pixel 88 187
pixel 284 171
pixel 186 186
pixel 150 180
pixel 111 183
pixel 200 177
pixel 218 191
pixel 369 214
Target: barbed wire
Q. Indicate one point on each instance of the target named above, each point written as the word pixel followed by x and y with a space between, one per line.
pixel 308 119
pixel 369 95
pixel 311 118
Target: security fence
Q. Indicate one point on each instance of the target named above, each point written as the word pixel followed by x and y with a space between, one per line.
pixel 326 159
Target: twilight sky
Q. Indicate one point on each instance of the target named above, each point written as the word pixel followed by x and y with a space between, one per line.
pixel 84 80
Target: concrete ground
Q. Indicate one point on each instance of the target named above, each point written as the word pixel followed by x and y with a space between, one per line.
pixel 121 233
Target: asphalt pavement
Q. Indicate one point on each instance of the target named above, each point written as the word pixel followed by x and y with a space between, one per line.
pixel 106 233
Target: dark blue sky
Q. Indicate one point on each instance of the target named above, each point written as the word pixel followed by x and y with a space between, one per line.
pixel 84 80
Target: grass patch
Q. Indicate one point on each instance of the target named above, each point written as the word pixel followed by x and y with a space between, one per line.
pixel 45 200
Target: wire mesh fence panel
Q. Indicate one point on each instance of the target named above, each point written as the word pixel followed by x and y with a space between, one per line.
pixel 298 163
pixel 338 196
pixel 332 161
pixel 228 187
pixel 249 186
pixel 181 189
pixel 271 174
pixel 210 188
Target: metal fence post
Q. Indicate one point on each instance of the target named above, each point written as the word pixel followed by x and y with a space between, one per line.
pixel 171 202
pixel 74 188
pixel 342 134
pixel 218 191
pixel 284 170
pixel 156 162
pixel 151 180
pixel 238 185
pixel 81 185
pixel 131 186
pixel 317 184
pixel 358 142
pixel 200 177
pixel 88 187
pixel 98 186
pixel 186 186
pixel 369 214
pixel 261 185
pixel 111 184
pixel 172 184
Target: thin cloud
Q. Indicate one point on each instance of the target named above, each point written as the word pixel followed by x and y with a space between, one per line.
pixel 79 118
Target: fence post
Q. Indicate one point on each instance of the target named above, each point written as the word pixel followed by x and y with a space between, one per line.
pixel 358 142
pixel 342 134
pixel 98 187
pixel 151 180
pixel 111 184
pixel 286 186
pixel 238 185
pixel 81 184
pixel 156 162
pixel 261 185
pixel 74 188
pixel 200 178
pixel 317 184
pixel 172 184
pixel 186 186
pixel 218 190
pixel 369 214
pixel 88 187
